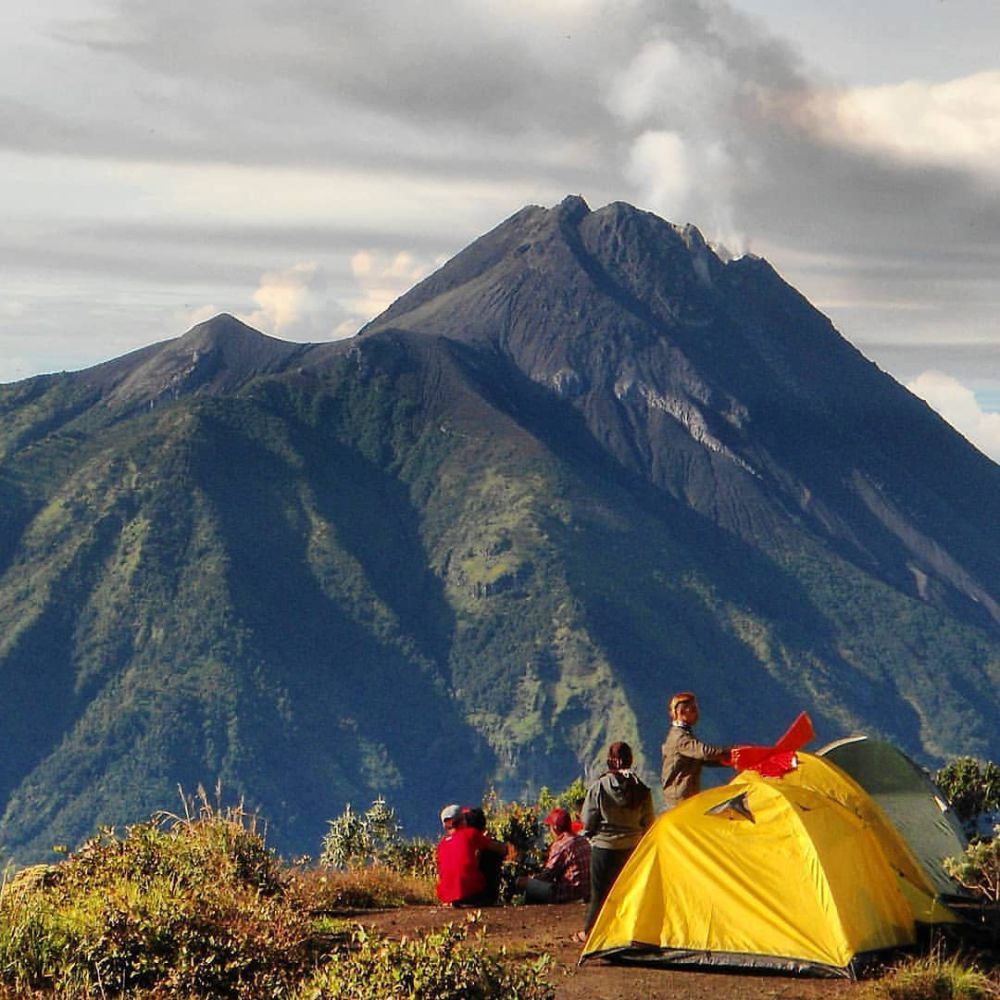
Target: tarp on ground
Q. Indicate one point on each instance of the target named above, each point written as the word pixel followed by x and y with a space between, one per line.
pixel 798 873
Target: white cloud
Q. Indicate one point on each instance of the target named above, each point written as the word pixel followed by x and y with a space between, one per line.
pixel 381 278
pixel 208 123
pixel 288 301
pixel 298 303
pixel 957 404
pixel 953 124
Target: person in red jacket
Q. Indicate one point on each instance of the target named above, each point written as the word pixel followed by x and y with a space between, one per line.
pixel 461 881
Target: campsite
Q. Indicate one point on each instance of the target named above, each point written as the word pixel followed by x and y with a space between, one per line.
pixel 531 931
pixel 790 880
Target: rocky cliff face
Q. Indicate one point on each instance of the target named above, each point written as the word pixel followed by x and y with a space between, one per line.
pixel 585 464
pixel 717 382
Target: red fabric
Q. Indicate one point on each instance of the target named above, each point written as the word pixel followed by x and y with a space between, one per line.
pixel 772 762
pixel 780 762
pixel 459 875
pixel 799 733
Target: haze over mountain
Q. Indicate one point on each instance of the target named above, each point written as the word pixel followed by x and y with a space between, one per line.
pixel 586 463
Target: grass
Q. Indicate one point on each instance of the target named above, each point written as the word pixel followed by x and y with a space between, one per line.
pixel 322 891
pixel 197 906
pixel 934 977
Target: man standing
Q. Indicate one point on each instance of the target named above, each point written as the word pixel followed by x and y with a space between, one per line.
pixel 684 754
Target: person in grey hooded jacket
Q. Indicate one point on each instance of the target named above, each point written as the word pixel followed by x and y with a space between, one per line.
pixel 617 810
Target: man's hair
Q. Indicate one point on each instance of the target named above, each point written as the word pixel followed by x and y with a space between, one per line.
pixel 680 699
pixel 475 817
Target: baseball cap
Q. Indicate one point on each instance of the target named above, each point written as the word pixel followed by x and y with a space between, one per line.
pixel 450 812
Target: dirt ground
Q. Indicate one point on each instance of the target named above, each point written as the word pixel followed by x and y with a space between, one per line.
pixel 528 931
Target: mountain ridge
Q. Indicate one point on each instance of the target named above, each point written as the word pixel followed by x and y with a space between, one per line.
pixel 586 463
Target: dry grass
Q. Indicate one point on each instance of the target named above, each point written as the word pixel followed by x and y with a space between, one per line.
pixel 934 977
pixel 324 890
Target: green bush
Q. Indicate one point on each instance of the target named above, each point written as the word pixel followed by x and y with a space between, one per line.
pixel 570 798
pixel 436 966
pixel 184 907
pixel 353 841
pixel 979 868
pixel 973 789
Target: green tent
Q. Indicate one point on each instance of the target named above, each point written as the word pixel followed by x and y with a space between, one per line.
pixel 911 800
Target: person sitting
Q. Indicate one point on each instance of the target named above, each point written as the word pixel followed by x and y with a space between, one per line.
pixel 460 879
pixel 490 863
pixel 566 875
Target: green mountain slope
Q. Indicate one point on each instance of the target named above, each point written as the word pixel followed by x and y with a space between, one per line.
pixel 583 466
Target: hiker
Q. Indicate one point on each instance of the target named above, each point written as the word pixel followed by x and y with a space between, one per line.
pixel 490 863
pixel 684 754
pixel 617 810
pixel 566 875
pixel 460 879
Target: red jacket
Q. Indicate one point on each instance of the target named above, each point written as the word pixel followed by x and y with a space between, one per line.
pixel 459 875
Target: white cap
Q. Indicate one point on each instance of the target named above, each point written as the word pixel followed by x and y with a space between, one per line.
pixel 450 812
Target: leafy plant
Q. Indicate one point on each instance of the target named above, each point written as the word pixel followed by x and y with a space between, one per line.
pixel 518 824
pixel 973 788
pixel 184 906
pixel 345 844
pixel 570 798
pixel 979 868
pixel 436 966
pixel 353 841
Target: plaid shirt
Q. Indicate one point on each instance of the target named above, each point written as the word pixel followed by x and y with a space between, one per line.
pixel 567 867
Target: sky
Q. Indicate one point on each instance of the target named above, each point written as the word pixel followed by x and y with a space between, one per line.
pixel 300 163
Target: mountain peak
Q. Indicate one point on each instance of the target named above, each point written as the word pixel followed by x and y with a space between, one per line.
pixel 572 208
pixel 219 330
pixel 218 355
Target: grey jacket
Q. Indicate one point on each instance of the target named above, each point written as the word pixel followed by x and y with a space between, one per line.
pixel 617 810
pixel 683 757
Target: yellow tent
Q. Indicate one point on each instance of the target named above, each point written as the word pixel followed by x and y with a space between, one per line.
pixel 802 873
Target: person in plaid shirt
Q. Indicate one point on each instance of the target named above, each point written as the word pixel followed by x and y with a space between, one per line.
pixel 566 875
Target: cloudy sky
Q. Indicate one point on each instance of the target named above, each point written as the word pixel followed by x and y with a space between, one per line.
pixel 299 163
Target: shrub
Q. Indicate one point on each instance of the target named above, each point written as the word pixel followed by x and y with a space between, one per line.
pixel 973 789
pixel 933 977
pixel 414 858
pixel 521 825
pixel 979 868
pixel 570 798
pixel 356 840
pixel 183 907
pixel 345 844
pixel 436 966
pixel 513 823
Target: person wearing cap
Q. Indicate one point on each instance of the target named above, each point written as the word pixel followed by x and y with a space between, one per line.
pixel 566 875
pixel 617 810
pixel 461 881
pixel 684 754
